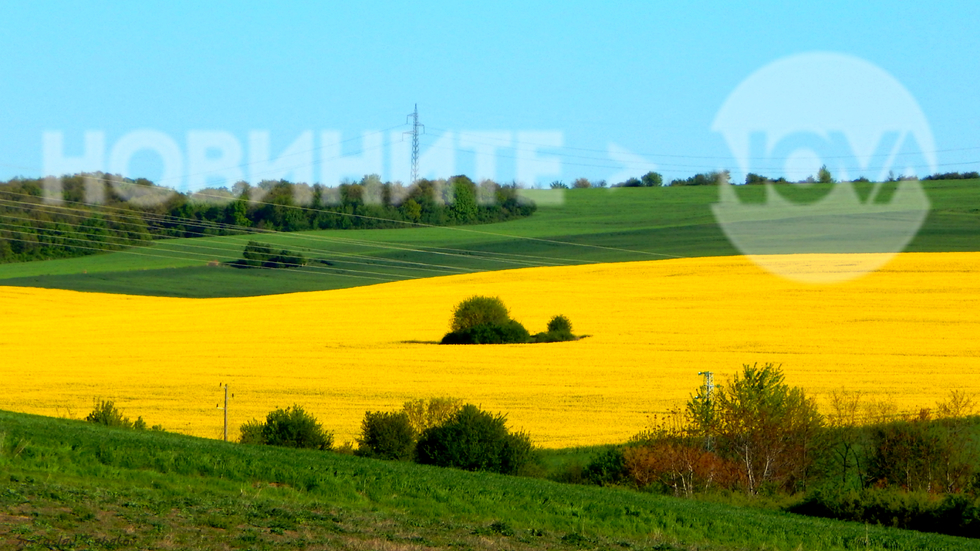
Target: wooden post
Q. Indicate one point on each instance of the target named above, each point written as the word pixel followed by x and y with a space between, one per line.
pixel 225 408
pixel 226 413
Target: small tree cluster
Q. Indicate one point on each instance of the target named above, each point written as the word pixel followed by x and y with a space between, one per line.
pixel 444 433
pixel 650 179
pixel 485 320
pixel 755 433
pixel 930 452
pixel 292 427
pixel 392 435
pixel 386 435
pixel 509 332
pixel 608 468
pixel 425 414
pixel 105 413
pixel 914 471
pixel 559 330
pixel 754 179
pixel 702 179
pixel 679 465
pixel 765 425
pixel 474 440
pixel 261 255
pixel 674 457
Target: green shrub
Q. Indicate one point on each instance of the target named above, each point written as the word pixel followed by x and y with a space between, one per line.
pixel 954 514
pixel 508 332
pixel 261 255
pixel 567 474
pixel 560 324
pixel 552 337
pixel 758 421
pixel 290 428
pixel 347 448
pixel 386 435
pixel 424 414
pixel 606 468
pixel 559 330
pixel 485 320
pixel 252 432
pixel 474 440
pixel 479 310
pixel 105 413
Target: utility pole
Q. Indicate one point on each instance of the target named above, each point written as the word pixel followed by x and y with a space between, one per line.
pixel 709 387
pixel 413 118
pixel 226 409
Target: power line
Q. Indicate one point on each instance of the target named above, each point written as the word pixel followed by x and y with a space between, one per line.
pixel 712 157
pixel 672 166
pixel 413 119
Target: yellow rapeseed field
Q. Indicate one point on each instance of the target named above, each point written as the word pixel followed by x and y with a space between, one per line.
pixel 909 332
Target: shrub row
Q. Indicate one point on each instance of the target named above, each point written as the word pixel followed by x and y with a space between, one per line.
pixel 106 413
pixel 437 432
pixel 467 438
pixel 954 514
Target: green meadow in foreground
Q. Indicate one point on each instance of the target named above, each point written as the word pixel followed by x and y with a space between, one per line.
pixel 73 485
pixel 592 225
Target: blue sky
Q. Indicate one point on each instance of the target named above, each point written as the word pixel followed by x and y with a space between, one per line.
pixel 581 89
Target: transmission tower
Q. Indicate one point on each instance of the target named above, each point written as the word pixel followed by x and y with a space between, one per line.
pixel 413 119
pixel 709 383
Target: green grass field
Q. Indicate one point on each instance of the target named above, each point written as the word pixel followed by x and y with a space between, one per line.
pixel 72 485
pixel 593 225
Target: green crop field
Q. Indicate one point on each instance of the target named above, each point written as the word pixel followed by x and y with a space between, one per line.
pixel 72 485
pixel 592 225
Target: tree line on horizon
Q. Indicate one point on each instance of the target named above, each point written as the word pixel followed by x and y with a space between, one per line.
pixel 135 212
pixel 98 212
pixel 714 178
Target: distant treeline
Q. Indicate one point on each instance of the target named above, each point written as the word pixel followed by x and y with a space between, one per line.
pixel 825 177
pixel 100 212
pixel 954 176
pixel 714 178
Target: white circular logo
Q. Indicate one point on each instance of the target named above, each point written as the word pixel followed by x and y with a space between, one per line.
pixel 814 110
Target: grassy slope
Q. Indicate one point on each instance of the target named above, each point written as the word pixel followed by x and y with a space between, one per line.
pixel 592 226
pixel 68 484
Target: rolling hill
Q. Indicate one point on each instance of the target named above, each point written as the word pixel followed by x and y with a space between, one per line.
pixel 72 485
pixel 591 226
